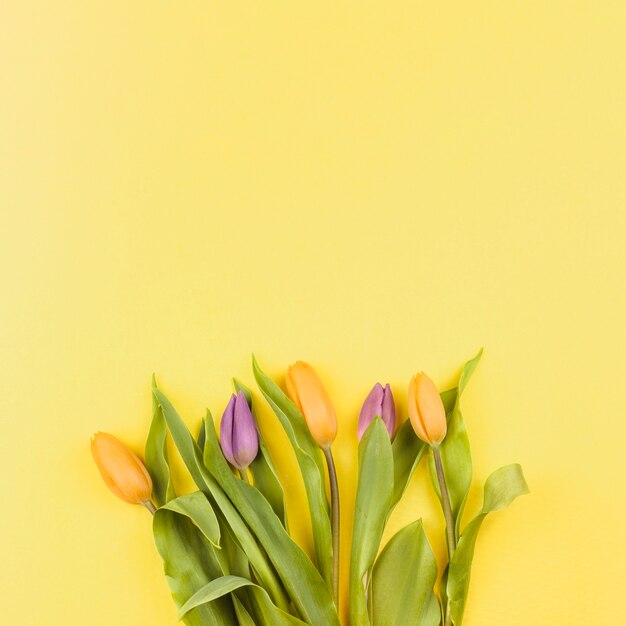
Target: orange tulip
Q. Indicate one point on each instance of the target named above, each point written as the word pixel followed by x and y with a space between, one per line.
pixel 426 410
pixel 122 470
pixel 308 393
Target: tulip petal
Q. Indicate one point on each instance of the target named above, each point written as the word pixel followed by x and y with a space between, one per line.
pixel 426 410
pixel 314 402
pixel 292 390
pixel 372 408
pixel 414 412
pixel 245 440
pixel 408 449
pixel 121 469
pixel 389 411
pixel 226 430
pixel 431 409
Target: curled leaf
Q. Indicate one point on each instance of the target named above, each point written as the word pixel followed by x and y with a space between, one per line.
pixel 501 488
pixel 196 507
pixel 156 459
pixel 265 611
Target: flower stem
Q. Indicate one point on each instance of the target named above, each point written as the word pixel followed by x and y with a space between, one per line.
pixel 334 519
pixel 148 504
pixel 447 513
pixel 243 473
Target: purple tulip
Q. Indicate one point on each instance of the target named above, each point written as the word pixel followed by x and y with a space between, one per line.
pixel 379 403
pixel 238 435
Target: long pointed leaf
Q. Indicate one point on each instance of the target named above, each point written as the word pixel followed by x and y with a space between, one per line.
pixel 373 499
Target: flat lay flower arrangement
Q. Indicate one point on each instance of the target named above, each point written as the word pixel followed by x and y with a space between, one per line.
pixel 227 551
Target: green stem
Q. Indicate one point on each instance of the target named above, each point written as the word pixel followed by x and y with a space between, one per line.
pixel 244 475
pixel 334 519
pixel 148 504
pixel 447 513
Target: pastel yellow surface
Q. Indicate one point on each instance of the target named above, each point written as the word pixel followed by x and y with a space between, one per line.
pixel 375 187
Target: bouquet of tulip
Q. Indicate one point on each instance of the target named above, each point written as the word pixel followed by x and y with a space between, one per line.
pixel 227 551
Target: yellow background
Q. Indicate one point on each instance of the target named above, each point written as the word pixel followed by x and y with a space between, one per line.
pixel 375 187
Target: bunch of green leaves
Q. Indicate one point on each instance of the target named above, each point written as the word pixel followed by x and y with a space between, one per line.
pixel 227 553
pixel 397 586
pixel 229 558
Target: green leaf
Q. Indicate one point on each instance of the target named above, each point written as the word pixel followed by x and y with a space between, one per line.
pixel 264 611
pixel 242 613
pixel 233 558
pixel 501 488
pixel 455 451
pixel 156 456
pixel 373 500
pixel 200 437
pixel 263 471
pixel 311 465
pixel 403 579
pixel 408 450
pixel 189 563
pixel 190 453
pixel 302 581
pixel 196 507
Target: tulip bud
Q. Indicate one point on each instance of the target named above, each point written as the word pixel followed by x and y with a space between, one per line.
pixel 308 393
pixel 379 403
pixel 122 470
pixel 426 410
pixel 238 435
